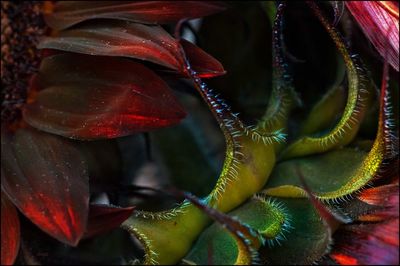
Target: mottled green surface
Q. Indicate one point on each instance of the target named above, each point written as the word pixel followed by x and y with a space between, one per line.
pixel 323 173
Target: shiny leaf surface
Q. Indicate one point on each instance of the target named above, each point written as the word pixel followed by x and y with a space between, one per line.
pixel 145 42
pixel 119 38
pixel 100 97
pixel 51 189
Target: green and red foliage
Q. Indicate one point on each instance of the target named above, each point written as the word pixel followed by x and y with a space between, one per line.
pixel 114 150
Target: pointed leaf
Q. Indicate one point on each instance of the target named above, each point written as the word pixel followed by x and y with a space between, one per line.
pixel 10 231
pixel 145 42
pixel 103 218
pixel 90 97
pixel 119 38
pixel 68 13
pixel 46 178
pixel 204 64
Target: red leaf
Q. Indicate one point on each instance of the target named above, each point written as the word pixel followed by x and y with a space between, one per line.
pixel 387 197
pixel 204 64
pixel 10 231
pixel 119 38
pixel 46 178
pixel 368 244
pixel 380 22
pixel 103 218
pixel 93 97
pixel 145 42
pixel 68 13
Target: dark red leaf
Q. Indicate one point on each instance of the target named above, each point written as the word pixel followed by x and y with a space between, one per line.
pixel 119 38
pixel 204 64
pixel 68 13
pixel 380 22
pixel 145 42
pixel 10 231
pixel 46 178
pixel 93 97
pixel 103 218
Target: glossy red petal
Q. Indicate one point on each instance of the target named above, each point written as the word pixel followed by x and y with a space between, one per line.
pixel 93 97
pixel 368 244
pixel 46 178
pixel 204 64
pixel 68 13
pixel 103 218
pixel 119 38
pixel 379 21
pixel 10 231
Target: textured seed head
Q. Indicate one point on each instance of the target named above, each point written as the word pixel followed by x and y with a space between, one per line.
pixel 21 25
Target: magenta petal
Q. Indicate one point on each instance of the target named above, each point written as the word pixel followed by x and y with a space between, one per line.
pixel 68 13
pixel 10 231
pixel 46 178
pixel 379 21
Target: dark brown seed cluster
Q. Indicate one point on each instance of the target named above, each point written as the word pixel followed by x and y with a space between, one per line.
pixel 21 25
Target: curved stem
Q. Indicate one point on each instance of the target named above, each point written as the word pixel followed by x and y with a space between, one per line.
pixel 346 129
